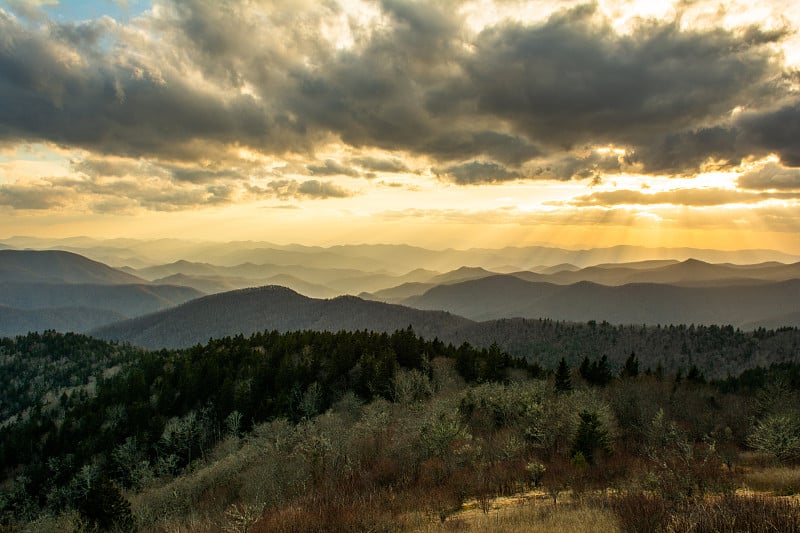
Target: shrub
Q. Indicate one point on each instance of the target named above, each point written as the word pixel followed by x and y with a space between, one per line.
pixel 778 435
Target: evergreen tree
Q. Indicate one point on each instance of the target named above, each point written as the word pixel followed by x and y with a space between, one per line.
pixel 563 378
pixel 596 373
pixel 631 368
pixel 591 438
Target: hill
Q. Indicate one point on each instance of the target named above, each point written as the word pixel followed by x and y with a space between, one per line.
pixel 271 308
pixel 21 321
pixel 642 303
pixel 717 350
pixel 80 307
pixel 55 266
pixel 691 272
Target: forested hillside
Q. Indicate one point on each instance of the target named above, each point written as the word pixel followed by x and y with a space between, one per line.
pixel 311 431
pixel 248 311
pixel 88 408
pixel 717 351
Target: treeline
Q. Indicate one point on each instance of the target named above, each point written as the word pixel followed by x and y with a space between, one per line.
pixel 717 351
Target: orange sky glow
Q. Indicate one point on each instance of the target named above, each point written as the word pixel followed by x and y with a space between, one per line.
pixel 463 123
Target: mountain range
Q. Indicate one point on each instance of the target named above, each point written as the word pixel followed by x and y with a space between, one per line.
pixel 717 351
pixel 770 304
pixel 248 311
pixel 65 291
pixel 394 259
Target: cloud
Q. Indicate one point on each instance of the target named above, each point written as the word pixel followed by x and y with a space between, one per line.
pixel 378 164
pixel 775 131
pixel 475 172
pixel 771 176
pixel 681 197
pixel 332 168
pixel 321 189
pixel 287 188
pixel 778 218
pixel 579 166
pixel 194 80
pixel 31 197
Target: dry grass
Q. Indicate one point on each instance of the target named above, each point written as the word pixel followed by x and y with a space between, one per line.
pixel 523 515
pixel 779 480
pixel 754 514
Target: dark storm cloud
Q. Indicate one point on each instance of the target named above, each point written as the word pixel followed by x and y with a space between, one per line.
pixel 687 151
pixel 484 107
pixel 67 94
pixel 775 131
pixel 575 80
pixel 771 176
pixel 509 149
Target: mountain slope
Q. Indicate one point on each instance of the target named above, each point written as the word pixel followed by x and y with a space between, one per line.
pixel 690 272
pixel 500 296
pixel 55 266
pixel 507 296
pixel 266 308
pixel 127 300
pixel 21 321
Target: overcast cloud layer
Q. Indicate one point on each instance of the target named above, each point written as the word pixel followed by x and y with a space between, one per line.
pixel 400 87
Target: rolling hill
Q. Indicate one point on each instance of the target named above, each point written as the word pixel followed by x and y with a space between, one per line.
pixel 55 266
pixel 639 303
pixel 127 300
pixel 21 321
pixel 716 350
pixel 272 307
pixel 67 292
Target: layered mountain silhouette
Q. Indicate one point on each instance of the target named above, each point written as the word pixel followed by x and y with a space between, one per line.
pixel 19 321
pixel 391 259
pixel 768 303
pixel 248 311
pixel 688 273
pixel 55 266
pixel 717 350
pixel 67 292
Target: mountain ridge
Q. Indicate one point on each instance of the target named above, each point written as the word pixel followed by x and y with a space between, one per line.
pixel 247 311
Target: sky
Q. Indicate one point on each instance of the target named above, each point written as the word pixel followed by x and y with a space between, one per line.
pixel 455 123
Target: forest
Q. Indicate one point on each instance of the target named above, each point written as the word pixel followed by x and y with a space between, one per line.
pixel 362 431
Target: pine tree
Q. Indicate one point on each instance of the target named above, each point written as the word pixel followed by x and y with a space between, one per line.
pixel 563 378
pixel 631 368
pixel 591 438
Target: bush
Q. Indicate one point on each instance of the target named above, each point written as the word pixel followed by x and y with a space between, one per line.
pixel 778 435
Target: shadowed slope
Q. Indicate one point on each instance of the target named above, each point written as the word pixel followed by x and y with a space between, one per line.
pixel 271 308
